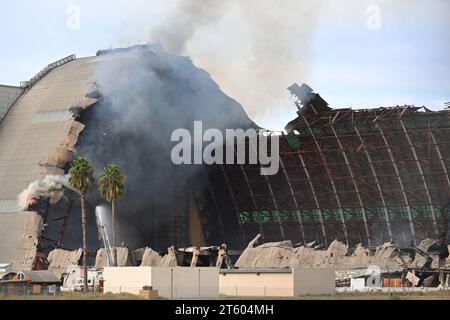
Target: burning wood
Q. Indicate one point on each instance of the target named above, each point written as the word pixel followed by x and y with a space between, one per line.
pixel 50 188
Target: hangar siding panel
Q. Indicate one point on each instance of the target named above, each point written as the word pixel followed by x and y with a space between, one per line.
pixel 8 94
pixel 24 142
pixel 19 237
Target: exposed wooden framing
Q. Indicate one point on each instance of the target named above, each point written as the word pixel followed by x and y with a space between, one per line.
pixel 216 206
pixel 441 159
pixel 394 164
pixel 299 216
pixel 322 157
pixel 422 175
pixel 350 171
pixel 377 182
pixel 233 199
pixel 275 203
pixel 316 200
pixel 252 195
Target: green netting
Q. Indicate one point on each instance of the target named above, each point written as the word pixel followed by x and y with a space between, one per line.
pixel 403 213
pixel 370 213
pixel 391 213
pixel 295 215
pixel 380 211
pixel 255 215
pixel 293 140
pixel 284 215
pixel 326 214
pixel 358 213
pixel 265 216
pixel 313 215
pixel 245 217
pixel 427 211
pixel 347 213
pixel 415 211
pixel 305 215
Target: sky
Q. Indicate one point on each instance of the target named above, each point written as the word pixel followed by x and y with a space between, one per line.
pixel 357 54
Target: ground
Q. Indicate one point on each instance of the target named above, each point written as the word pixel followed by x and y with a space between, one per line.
pixel 439 295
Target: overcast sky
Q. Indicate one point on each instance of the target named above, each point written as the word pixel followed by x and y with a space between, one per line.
pixel 354 53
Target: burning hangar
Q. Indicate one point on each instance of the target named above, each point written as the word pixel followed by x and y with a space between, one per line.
pixel 357 176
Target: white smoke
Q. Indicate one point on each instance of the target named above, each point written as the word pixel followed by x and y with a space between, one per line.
pixel 51 187
pixel 254 49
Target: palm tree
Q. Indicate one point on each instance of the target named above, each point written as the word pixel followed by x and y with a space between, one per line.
pixel 111 185
pixel 81 178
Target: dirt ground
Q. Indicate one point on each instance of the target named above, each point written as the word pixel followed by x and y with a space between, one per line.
pixel 438 295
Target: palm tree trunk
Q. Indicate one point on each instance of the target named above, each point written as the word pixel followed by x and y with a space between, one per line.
pixel 114 233
pixel 84 226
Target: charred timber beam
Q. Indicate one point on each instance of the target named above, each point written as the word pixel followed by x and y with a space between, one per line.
pixel 316 200
pixel 216 206
pixel 355 185
pixel 394 164
pixel 441 160
pixel 377 182
pixel 299 216
pixel 421 173
pixel 252 195
pixel 435 128
pixel 274 201
pixel 64 226
pixel 233 199
pixel 327 169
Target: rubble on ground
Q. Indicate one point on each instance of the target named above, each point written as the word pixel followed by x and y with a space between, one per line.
pixel 59 260
pixel 150 258
pixel 124 258
pixel 387 256
pixel 170 259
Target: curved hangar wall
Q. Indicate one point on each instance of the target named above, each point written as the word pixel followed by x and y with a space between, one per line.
pixel 37 137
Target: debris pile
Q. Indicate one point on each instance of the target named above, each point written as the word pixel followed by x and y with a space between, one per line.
pixel 284 255
pixel 59 260
pixel 124 258
pixel 152 258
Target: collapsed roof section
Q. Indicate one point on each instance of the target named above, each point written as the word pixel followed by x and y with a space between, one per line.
pixel 360 176
pixel 388 256
pixel 382 168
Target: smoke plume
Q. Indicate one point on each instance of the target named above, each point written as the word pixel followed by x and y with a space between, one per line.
pixel 154 94
pixel 51 187
pixel 254 49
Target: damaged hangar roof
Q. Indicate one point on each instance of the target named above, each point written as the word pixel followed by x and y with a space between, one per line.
pixel 39 132
pixel 37 136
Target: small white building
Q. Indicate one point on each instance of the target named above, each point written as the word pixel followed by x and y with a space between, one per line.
pixel 277 282
pixel 171 282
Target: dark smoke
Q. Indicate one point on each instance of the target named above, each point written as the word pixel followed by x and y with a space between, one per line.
pixel 147 95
